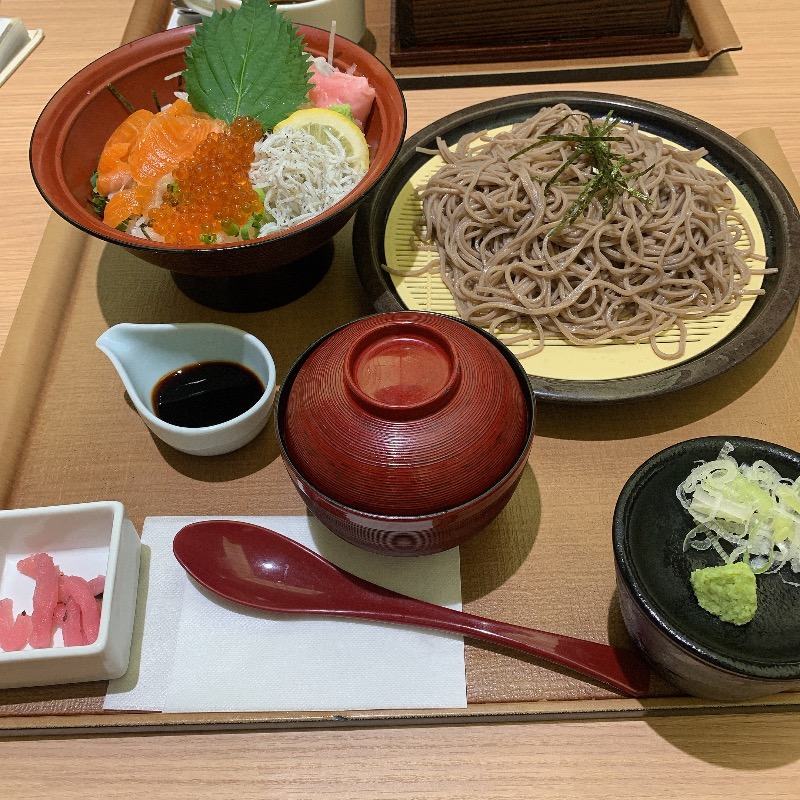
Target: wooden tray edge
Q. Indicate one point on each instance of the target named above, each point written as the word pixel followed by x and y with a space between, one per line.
pixel 33 339
pixel 497 713
pixel 147 16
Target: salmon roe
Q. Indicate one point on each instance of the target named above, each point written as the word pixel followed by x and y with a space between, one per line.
pixel 211 190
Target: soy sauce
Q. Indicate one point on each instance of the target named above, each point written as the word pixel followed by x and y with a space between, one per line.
pixel 207 393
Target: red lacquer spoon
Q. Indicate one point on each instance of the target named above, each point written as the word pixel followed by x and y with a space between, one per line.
pixel 257 567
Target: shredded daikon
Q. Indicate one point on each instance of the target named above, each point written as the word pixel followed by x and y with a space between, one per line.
pixel 325 67
pixel 301 176
pixel 744 512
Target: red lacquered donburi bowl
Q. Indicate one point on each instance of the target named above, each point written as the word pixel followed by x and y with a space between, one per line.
pixel 406 433
pixel 238 276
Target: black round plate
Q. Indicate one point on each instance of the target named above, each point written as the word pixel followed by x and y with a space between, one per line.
pixel 649 527
pixel 774 208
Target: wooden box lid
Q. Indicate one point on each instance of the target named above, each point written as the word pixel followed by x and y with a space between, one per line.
pixel 455 31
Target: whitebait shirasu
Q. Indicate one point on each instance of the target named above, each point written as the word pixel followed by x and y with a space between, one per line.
pixel 747 512
pixel 301 176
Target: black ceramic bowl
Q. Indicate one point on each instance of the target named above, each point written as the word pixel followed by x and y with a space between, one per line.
pixel 691 648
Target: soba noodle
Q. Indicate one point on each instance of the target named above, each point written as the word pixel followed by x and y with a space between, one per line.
pixel 629 275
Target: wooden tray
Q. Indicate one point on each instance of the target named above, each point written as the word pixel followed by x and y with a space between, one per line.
pixel 705 22
pixel 69 435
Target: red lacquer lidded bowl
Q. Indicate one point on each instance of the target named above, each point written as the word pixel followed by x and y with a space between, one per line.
pixel 406 432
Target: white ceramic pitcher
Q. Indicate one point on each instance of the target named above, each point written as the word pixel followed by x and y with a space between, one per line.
pixel 144 354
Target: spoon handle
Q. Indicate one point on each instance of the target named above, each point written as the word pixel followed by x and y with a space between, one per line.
pixel 623 669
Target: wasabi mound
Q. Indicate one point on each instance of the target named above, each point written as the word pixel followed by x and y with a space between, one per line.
pixel 728 591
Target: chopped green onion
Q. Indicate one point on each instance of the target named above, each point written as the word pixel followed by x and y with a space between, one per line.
pixel 229 227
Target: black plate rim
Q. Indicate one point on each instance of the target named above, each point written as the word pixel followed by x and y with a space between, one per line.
pixel 762 186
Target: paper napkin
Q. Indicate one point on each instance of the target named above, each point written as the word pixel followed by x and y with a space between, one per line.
pixel 193 651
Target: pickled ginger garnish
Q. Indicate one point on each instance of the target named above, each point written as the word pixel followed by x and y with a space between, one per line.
pixel 744 512
pixel 247 62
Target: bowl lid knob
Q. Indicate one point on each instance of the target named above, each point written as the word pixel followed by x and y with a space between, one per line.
pixel 401 371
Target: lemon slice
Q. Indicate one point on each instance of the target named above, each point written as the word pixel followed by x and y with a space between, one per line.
pixel 322 123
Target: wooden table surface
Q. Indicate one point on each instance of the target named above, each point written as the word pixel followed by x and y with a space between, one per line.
pixel 730 756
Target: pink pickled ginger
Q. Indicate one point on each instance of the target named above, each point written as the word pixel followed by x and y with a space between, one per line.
pixel 41 568
pixel 71 628
pixel 14 633
pixel 76 593
pixel 60 601
pixel 339 88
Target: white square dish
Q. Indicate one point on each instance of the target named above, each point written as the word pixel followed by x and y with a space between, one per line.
pixel 87 540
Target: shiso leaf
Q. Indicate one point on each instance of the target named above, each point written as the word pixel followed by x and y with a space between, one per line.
pixel 248 61
pixel 97 200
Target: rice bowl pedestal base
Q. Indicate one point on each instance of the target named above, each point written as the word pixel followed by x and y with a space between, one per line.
pixel 258 291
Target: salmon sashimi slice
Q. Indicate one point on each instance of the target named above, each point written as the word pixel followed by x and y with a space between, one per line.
pixel 14 633
pixel 43 570
pixel 180 108
pixel 165 142
pixel 113 172
pixel 128 203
